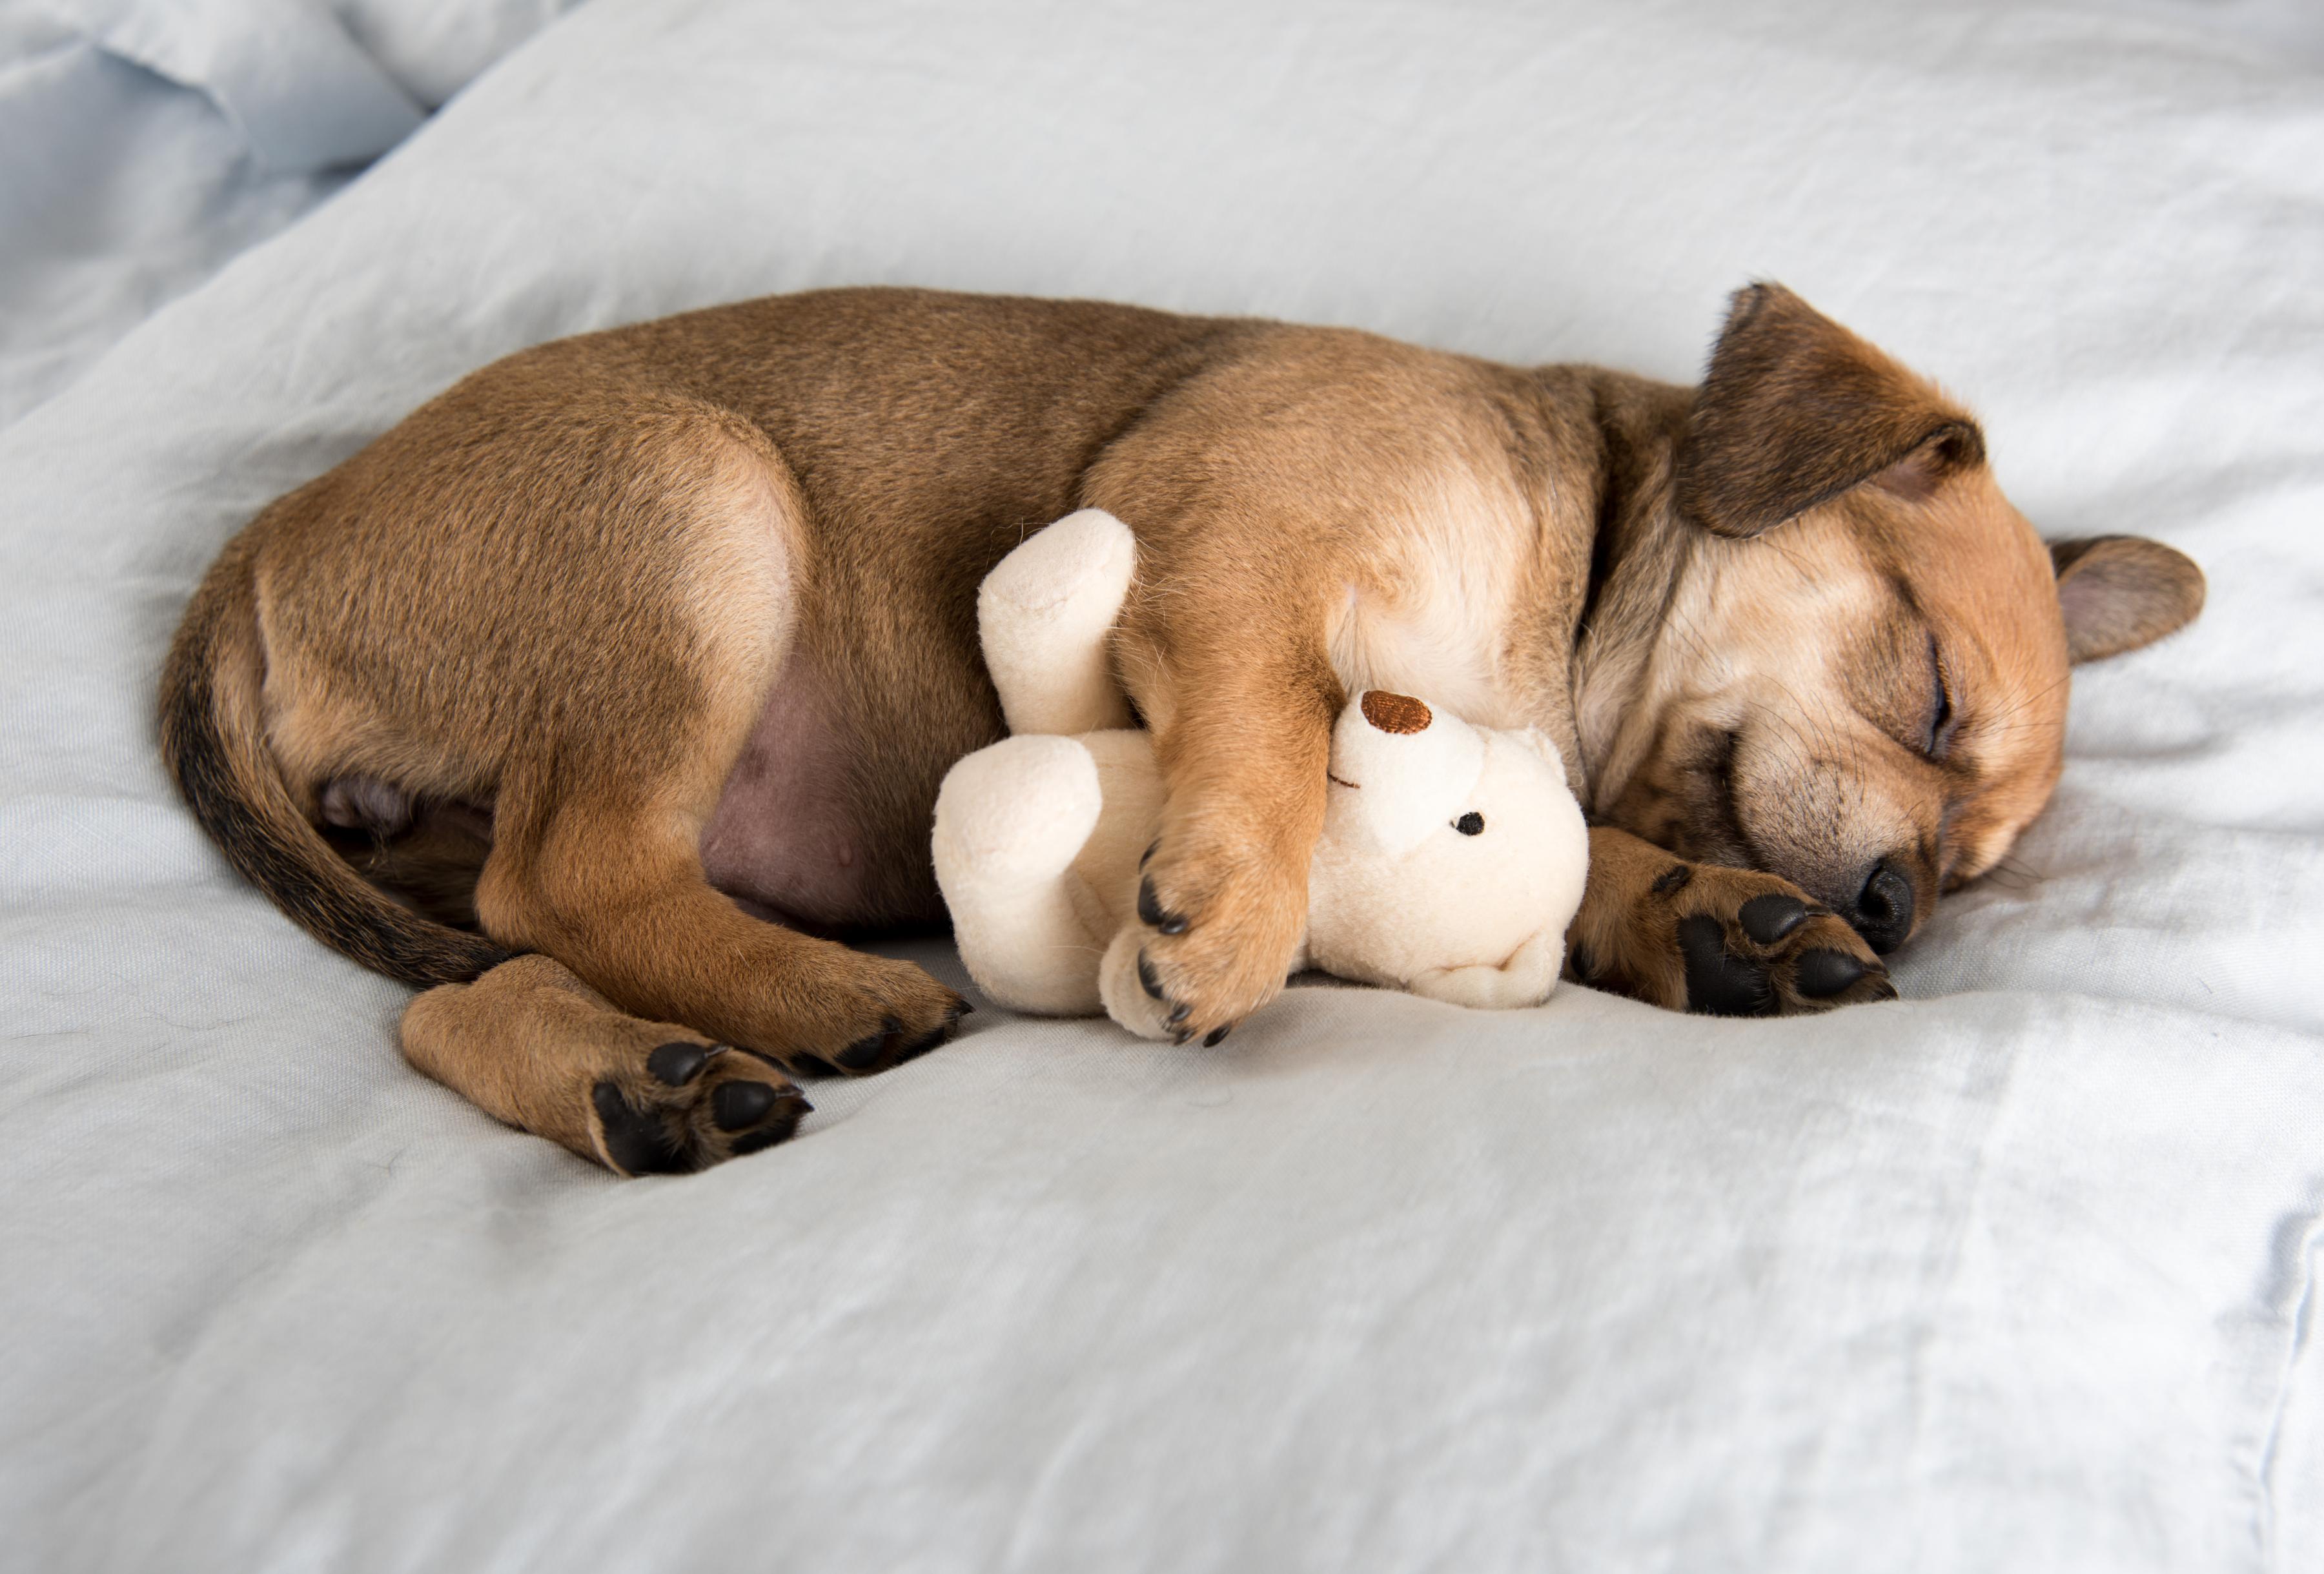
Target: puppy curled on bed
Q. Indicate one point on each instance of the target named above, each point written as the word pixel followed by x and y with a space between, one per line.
pixel 611 689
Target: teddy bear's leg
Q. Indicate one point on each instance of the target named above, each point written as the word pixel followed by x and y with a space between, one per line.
pixel 1044 614
pixel 1127 999
pixel 1010 820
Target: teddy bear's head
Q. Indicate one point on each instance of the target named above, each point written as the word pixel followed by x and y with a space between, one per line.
pixel 1452 856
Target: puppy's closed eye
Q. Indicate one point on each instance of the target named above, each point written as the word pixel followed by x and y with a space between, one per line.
pixel 1937 736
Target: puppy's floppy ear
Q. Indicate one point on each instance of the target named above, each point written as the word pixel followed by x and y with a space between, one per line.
pixel 1795 410
pixel 2119 592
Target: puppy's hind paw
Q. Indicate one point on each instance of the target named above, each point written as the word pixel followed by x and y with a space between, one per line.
pixel 691 1106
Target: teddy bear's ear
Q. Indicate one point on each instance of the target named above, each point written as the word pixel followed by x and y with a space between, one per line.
pixel 1400 770
pixel 1542 744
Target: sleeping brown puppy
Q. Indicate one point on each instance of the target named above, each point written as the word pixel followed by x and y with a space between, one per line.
pixel 644 653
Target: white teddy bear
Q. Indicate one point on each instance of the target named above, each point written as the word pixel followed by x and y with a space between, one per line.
pixel 1451 862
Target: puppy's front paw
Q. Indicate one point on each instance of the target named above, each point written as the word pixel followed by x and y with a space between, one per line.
pixel 1733 943
pixel 1220 925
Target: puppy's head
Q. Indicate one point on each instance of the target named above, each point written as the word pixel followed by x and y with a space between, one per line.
pixel 1861 679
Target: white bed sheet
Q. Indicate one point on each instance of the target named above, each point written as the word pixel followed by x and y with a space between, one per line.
pixel 144 142
pixel 2015 1274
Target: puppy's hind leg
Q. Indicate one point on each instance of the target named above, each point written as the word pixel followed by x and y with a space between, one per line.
pixel 666 644
pixel 534 1046
pixel 613 886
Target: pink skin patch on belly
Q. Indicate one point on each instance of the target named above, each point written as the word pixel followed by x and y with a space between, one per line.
pixel 783 836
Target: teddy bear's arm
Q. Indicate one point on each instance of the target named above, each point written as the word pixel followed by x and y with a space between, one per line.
pixel 1044 616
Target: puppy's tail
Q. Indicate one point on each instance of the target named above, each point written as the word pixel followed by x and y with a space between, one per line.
pixel 214 742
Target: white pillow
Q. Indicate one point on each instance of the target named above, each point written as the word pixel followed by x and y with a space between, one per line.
pixel 433 48
pixel 299 90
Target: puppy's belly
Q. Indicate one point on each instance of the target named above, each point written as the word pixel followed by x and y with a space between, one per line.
pixel 785 837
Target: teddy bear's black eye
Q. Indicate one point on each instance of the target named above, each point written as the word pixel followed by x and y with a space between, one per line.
pixel 1471 824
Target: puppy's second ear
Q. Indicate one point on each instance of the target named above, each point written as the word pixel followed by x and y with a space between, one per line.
pixel 2119 592
pixel 1795 410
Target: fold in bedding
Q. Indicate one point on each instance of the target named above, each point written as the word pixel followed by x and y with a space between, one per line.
pixel 2015 1272
pixel 144 143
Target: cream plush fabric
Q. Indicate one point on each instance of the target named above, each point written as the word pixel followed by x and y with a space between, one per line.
pixel 2014 1275
pixel 1450 863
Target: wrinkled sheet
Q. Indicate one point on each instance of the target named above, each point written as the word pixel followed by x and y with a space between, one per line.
pixel 2016 1273
pixel 144 142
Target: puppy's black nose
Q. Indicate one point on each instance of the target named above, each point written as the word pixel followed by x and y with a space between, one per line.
pixel 1883 912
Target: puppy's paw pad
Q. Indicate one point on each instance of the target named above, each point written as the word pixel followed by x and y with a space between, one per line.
pixel 1753 944
pixel 740 1106
pixel 636 1141
pixel 691 1106
pixel 874 1050
pixel 676 1065
pixel 1820 974
pixel 1719 983
pixel 1767 919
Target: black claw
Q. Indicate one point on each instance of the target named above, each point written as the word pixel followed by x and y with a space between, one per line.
pixel 675 1064
pixel 1147 857
pixel 1177 1014
pixel 1819 973
pixel 1150 909
pixel 1884 988
pixel 799 1062
pixel 735 1105
pixel 1767 919
pixel 1216 1036
pixel 1674 878
pixel 1183 1035
pixel 1716 983
pixel 962 1008
pixel 1146 978
pixel 635 1139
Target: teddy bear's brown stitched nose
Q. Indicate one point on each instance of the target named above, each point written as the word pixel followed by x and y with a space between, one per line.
pixel 1396 712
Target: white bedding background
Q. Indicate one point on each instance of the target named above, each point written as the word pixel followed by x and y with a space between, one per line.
pixel 144 143
pixel 2017 1273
